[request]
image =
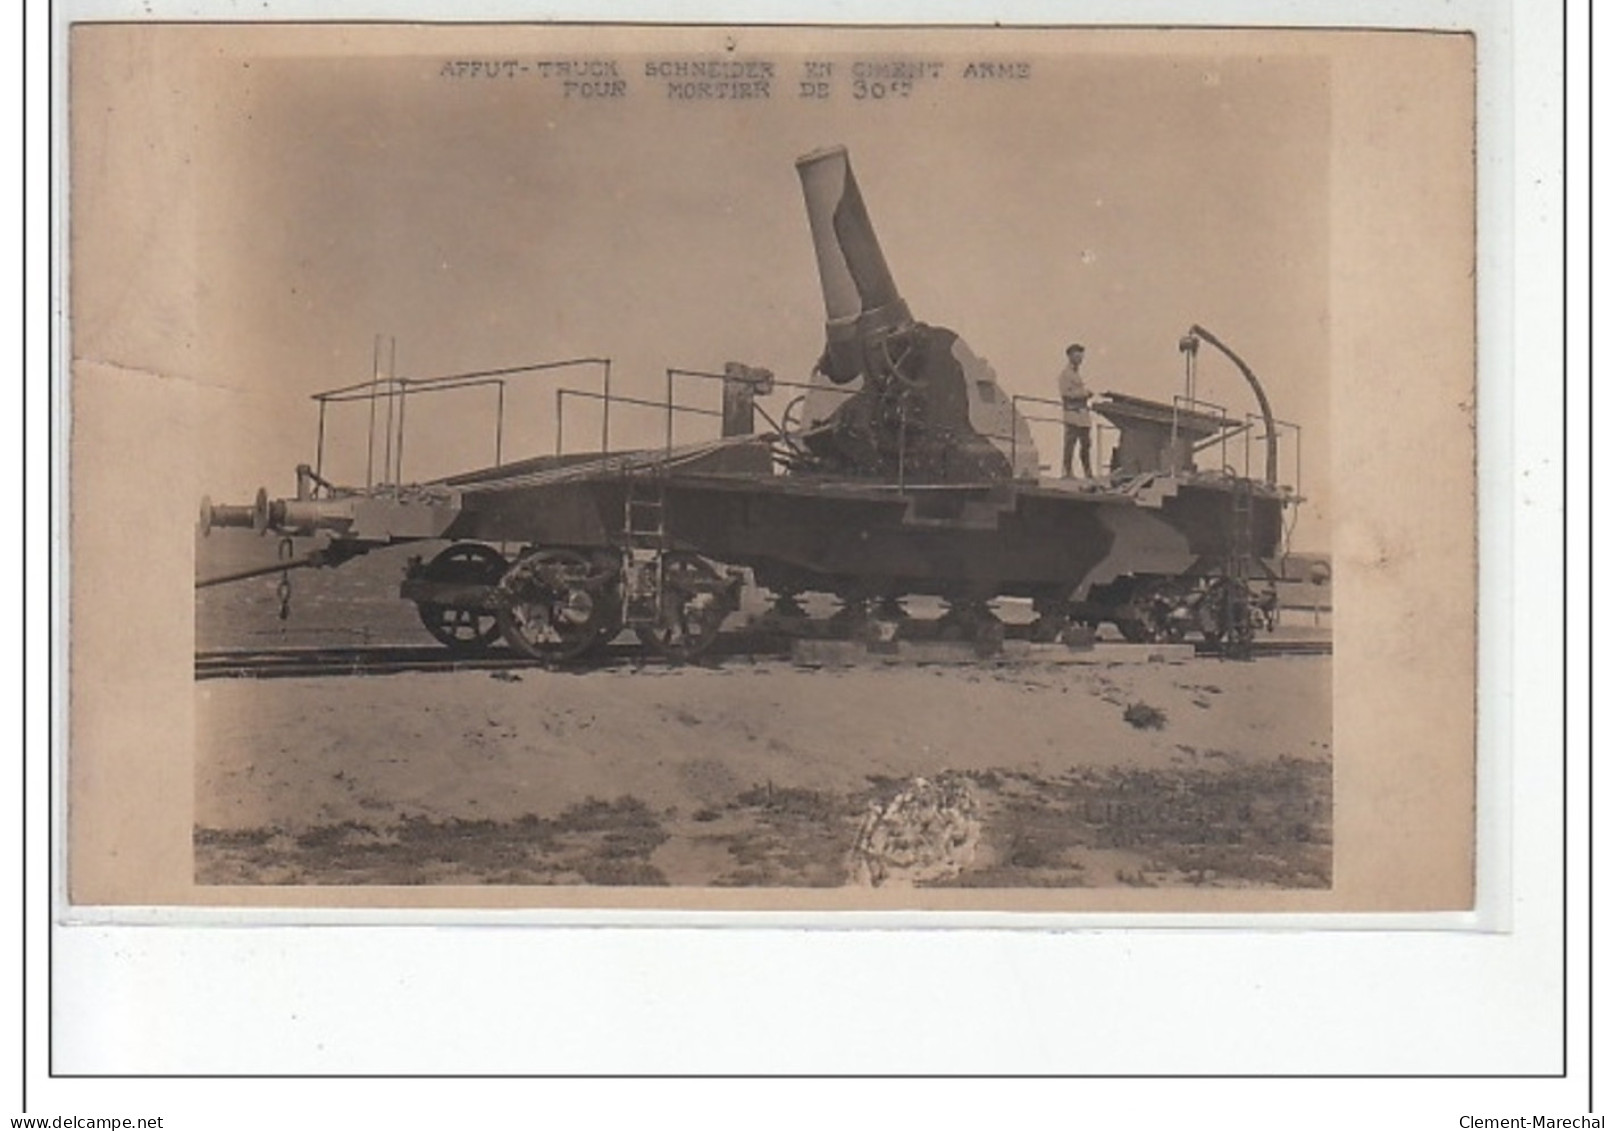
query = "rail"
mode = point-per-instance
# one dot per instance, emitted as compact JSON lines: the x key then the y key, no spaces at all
{"x":381,"y":660}
{"x":608,"y":399}
{"x":396,"y":392}
{"x":779,"y":425}
{"x":397,"y":469}
{"x":1192,"y":404}
{"x":1015,"y":401}
{"x":671,"y":408}
{"x":1280,"y":429}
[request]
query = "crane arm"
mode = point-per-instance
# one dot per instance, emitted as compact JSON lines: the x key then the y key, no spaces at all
{"x":1272,"y":440}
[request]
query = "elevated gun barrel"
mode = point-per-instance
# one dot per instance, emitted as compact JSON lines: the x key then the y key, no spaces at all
{"x":861,"y":302}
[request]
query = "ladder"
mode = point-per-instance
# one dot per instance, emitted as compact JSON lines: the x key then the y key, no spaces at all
{"x":1239,"y":530}
{"x":644,"y":536}
{"x":1237,"y":569}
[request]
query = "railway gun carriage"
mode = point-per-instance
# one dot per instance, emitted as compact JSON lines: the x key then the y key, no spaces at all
{"x":900,"y":468}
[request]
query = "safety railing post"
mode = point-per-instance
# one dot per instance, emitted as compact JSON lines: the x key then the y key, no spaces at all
{"x":499,"y":428}
{"x":1297,"y":459}
{"x":319,"y":446}
{"x":605,"y":410}
{"x":1014,"y":432}
{"x":669,"y":414}
{"x":387,"y":450}
{"x":370,"y":444}
{"x":403,"y":399}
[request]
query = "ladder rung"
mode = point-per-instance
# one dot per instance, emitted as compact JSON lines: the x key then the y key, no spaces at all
{"x":644,"y":535}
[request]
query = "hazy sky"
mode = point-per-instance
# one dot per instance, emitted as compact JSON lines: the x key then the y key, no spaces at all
{"x":1112,"y":199}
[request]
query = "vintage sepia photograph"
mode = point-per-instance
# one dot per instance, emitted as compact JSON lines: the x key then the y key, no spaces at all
{"x":772,"y":468}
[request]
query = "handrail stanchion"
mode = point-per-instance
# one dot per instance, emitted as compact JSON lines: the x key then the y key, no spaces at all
{"x":560,"y":409}
{"x":669,"y":436}
{"x":392,"y":388}
{"x":499,"y":428}
{"x":370,"y":435}
{"x":319,"y":447}
{"x":1014,"y":432}
{"x":1297,"y":459}
{"x":605,"y":410}
{"x":1174,"y":441}
{"x":1222,"y":431}
{"x":398,"y":464}
{"x":370,"y":443}
{"x":387,"y":451}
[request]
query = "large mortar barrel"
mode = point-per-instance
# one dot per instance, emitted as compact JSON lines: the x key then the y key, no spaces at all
{"x":860,"y":299}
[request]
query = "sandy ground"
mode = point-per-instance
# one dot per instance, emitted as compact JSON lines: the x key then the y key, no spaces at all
{"x":764,"y":773}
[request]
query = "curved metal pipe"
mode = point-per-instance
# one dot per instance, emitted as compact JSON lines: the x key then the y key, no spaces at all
{"x":1271,"y":432}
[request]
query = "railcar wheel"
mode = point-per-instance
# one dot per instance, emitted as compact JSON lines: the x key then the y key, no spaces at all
{"x":1152,"y":614}
{"x":1134,"y":631}
{"x":1053,"y":619}
{"x":694,"y":604}
{"x":1160,"y":603}
{"x":1227,"y":613}
{"x":460,"y":629}
{"x":972,"y":622}
{"x":555,"y":605}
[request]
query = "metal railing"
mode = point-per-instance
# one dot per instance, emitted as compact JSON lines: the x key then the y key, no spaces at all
{"x":1182,"y":404}
{"x":1280,"y":428}
{"x":396,"y":392}
{"x":776,"y":383}
{"x":607,"y":400}
{"x":1015,"y":403}
{"x":671,"y":408}
{"x":1101,"y":430}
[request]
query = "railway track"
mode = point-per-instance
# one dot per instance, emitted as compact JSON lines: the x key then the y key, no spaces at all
{"x":1274,"y":648}
{"x":285,"y":663}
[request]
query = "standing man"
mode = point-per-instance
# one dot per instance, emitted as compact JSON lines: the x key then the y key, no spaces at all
{"x":1074,"y":397}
